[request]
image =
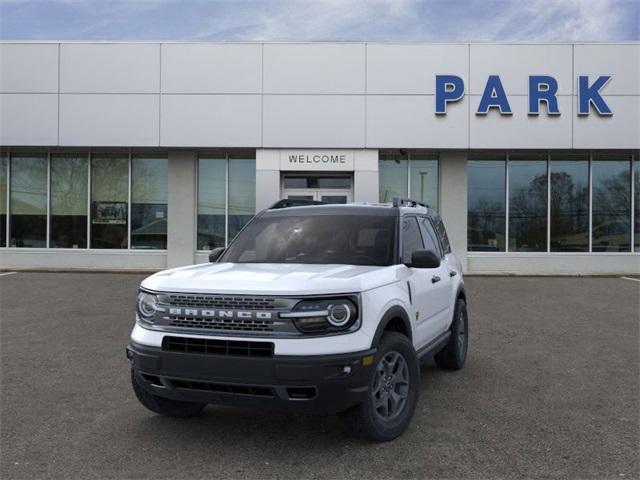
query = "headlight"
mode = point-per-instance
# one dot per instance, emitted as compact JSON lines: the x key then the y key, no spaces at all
{"x":147,"y":305}
{"x":330,"y":315}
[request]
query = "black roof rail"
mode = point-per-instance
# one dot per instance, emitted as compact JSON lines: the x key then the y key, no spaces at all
{"x":294,"y":202}
{"x":407,"y":202}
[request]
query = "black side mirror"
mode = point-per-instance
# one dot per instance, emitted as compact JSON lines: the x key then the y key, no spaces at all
{"x":215,"y":254}
{"x":424,"y":259}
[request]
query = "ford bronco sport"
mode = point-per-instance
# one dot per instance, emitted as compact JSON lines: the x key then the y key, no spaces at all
{"x":318,"y":308}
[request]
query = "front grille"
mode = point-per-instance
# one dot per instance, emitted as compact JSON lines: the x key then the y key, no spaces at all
{"x":217,"y":347}
{"x":222,"y":302}
{"x":226,"y":324}
{"x":253,"y":390}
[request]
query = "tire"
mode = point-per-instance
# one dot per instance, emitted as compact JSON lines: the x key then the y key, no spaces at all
{"x":368,"y":420}
{"x":164,"y":406}
{"x":454,"y":353}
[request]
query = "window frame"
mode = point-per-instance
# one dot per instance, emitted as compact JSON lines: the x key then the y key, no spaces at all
{"x":408,"y":155}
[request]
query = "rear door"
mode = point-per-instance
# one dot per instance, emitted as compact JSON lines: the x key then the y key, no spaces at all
{"x":425,"y":285}
{"x":444,"y":286}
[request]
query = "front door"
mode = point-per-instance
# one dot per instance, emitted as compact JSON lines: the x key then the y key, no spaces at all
{"x":327,"y":189}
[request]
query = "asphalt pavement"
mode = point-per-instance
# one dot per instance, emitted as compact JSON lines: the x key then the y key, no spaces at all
{"x":550,"y":390}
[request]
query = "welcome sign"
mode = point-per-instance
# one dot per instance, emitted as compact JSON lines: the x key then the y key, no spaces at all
{"x":317,"y":160}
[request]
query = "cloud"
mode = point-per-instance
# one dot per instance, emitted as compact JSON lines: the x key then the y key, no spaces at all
{"x":331,"y":20}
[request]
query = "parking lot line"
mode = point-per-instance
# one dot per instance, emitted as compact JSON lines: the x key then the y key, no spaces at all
{"x":7,"y":273}
{"x":632,"y":279}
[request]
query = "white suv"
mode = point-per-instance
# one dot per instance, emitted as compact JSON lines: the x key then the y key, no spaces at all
{"x":317,"y":308}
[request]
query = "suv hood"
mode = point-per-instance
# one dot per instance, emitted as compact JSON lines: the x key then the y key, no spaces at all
{"x":271,"y":278}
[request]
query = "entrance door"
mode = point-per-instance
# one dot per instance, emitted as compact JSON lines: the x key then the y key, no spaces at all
{"x":327,"y":189}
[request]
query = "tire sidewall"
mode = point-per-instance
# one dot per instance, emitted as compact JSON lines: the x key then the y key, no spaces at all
{"x":387,"y":430}
{"x":461,"y":317}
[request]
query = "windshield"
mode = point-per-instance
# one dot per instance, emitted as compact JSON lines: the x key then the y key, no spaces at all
{"x":343,"y":239}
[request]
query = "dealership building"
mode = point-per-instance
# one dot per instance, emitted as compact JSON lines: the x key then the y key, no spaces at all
{"x":142,"y":156}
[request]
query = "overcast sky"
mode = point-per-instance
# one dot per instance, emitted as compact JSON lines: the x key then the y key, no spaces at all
{"x":427,"y":20}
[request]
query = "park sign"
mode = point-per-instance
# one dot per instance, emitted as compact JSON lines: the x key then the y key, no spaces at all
{"x":542,"y":89}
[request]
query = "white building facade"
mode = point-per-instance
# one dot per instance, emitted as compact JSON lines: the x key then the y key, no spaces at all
{"x":142,"y":156}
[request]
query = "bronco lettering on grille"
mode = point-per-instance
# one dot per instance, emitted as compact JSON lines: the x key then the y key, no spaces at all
{"x":207,"y":313}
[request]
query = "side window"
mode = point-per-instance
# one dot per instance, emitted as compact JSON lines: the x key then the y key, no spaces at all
{"x":442,"y":233}
{"x":429,"y":235}
{"x":411,"y":238}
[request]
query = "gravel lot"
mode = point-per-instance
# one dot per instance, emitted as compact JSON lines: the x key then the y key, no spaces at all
{"x":550,"y":390}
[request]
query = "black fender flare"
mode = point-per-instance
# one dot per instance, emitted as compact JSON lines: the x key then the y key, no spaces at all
{"x":394,"y":312}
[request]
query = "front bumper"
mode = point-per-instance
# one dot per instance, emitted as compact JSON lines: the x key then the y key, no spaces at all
{"x":310,"y":384}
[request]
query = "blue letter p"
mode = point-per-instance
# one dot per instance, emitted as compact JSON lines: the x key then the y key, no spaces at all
{"x":449,"y":88}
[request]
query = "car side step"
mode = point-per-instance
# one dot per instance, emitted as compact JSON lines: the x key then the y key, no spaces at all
{"x":430,"y":349}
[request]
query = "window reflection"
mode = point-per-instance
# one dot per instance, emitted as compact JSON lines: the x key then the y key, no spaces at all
{"x":486,"y":204}
{"x":527,"y":203}
{"x":392,"y":175}
{"x":611,"y":230}
{"x":28,"y":201}
{"x":149,"y":195}
{"x":569,"y":203}
{"x":424,"y":179}
{"x":109,"y":197}
{"x":212,"y":173}
{"x":242,"y":193}
{"x":69,"y":201}
{"x":3,"y":199}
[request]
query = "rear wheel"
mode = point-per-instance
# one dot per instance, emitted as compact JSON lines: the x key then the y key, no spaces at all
{"x":454,"y":353}
{"x":393,"y":392}
{"x":164,"y":406}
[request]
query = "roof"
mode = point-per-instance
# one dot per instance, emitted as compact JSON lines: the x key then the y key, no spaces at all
{"x":377,"y":209}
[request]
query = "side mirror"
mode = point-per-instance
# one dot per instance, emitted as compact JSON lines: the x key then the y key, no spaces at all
{"x":215,"y":254}
{"x":424,"y":259}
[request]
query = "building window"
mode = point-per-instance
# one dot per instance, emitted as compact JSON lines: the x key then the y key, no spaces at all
{"x":28,"y":208}
{"x":569,"y":210}
{"x":611,"y":229}
{"x":549,"y":196}
{"x":149,"y":194}
{"x":226,"y":197}
{"x":412,"y":174}
{"x":109,"y":197}
{"x":68,"y":208}
{"x":242,"y":193}
{"x":486,"y":204}
{"x":4,"y":165}
{"x":528,"y":203}
{"x":636,"y":202}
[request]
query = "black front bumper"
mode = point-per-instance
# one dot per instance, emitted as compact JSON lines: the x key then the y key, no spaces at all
{"x":310,"y":384}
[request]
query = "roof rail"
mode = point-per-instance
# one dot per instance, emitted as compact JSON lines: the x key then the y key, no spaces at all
{"x":294,"y":202}
{"x":407,"y":202}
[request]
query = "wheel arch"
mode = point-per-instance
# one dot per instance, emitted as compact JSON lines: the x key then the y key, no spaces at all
{"x":396,"y":319}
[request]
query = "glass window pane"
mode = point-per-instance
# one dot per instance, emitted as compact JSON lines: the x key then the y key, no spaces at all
{"x":149,"y":195}
{"x":424,"y":179}
{"x":636,"y":188}
{"x":611,"y":230}
{"x":69,"y":201}
{"x":429,"y":236}
{"x":569,"y":203}
{"x":109,"y":196}
{"x":411,"y":238}
{"x":242,"y":194}
{"x":527,"y":204}
{"x":393,"y":176}
{"x":3,"y":199}
{"x":28,"y":201}
{"x":487,"y":205}
{"x":211,"y":202}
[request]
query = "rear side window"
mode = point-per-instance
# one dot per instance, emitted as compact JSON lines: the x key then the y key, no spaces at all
{"x":411,"y":238}
{"x":442,"y":233}
{"x":429,"y":235}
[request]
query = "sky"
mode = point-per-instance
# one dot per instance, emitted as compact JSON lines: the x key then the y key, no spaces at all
{"x":321,"y":20}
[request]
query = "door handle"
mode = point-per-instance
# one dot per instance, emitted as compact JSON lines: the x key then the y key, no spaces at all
{"x":453,"y":273}
{"x":435,"y":279}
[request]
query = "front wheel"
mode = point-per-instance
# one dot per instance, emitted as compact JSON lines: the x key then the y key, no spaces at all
{"x":454,"y":353}
{"x":392,"y":394}
{"x":164,"y":406}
